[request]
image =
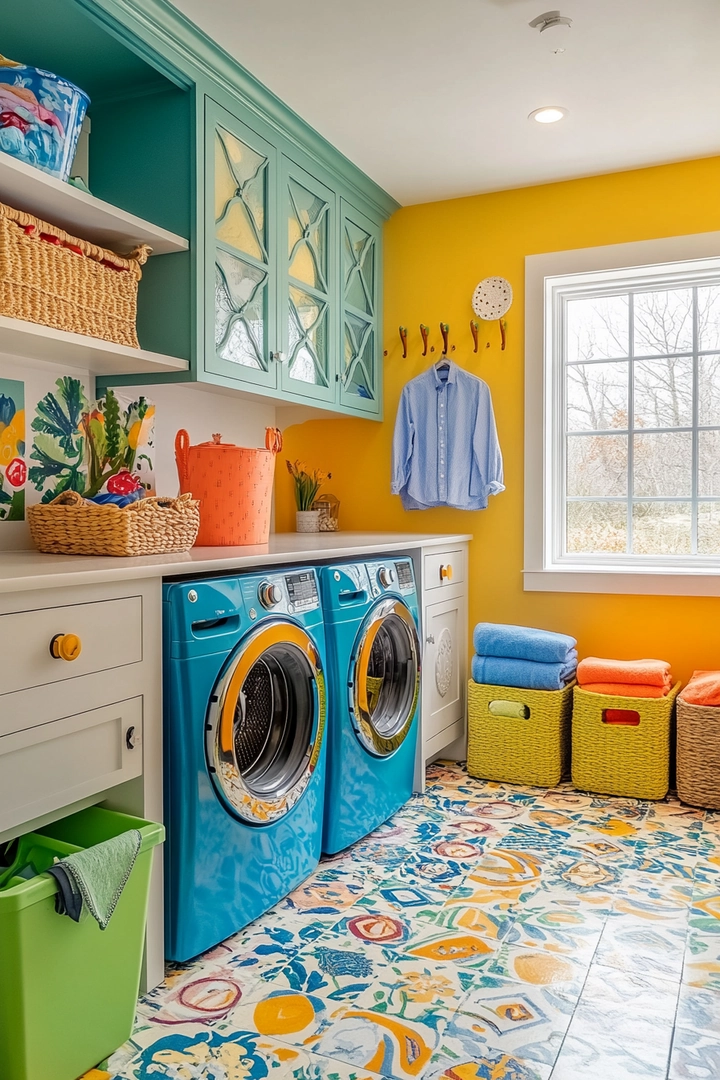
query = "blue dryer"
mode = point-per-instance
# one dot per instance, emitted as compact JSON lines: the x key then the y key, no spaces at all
{"x":245,"y":717}
{"x":371,"y":623}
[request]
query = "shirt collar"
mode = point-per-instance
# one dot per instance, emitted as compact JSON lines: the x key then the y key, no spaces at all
{"x":451,"y":376}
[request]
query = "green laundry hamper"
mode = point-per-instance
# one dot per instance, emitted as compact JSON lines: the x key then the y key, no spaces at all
{"x":68,"y":990}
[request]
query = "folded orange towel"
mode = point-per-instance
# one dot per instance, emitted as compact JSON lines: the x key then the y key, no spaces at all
{"x":627,"y":689}
{"x":703,"y":688}
{"x":593,"y":669}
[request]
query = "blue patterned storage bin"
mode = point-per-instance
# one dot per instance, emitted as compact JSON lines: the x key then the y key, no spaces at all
{"x":40,"y":117}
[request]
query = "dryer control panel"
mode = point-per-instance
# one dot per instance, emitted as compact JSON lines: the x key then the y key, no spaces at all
{"x":393,"y":575}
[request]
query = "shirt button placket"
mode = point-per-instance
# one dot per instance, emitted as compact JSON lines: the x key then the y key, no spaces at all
{"x":442,"y":485}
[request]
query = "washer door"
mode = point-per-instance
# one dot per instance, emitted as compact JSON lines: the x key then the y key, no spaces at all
{"x":385,"y":682}
{"x":266,"y":722}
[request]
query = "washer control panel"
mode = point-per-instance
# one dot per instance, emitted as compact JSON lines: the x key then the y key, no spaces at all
{"x":405,"y":577}
{"x":302,"y":590}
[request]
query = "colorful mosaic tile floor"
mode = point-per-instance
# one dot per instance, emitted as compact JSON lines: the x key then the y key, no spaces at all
{"x":486,"y":932}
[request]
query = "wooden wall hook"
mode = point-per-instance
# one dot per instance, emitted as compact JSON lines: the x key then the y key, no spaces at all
{"x":445,"y":331}
{"x":474,"y":332}
{"x":403,"y":338}
{"x":424,"y":333}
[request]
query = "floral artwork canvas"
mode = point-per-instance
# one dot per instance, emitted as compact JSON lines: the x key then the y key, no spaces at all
{"x":13,"y":470}
{"x":101,"y":449}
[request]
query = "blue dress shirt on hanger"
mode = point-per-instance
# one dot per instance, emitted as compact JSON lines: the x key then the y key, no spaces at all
{"x":445,"y":447}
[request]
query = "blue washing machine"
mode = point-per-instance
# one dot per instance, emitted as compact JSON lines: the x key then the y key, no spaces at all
{"x":371,"y":623}
{"x":245,"y":718}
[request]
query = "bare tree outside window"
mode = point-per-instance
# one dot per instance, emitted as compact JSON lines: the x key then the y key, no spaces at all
{"x":641,"y":391}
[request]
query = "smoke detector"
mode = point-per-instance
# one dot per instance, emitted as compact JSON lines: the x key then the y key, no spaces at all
{"x":549,"y":20}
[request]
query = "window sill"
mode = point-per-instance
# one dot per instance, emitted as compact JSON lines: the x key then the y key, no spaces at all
{"x":629,"y":581}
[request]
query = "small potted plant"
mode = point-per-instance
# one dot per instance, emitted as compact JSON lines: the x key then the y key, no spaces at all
{"x":307,"y":485}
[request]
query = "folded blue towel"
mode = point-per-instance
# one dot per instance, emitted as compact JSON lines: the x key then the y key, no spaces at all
{"x":525,"y":674}
{"x":522,"y":643}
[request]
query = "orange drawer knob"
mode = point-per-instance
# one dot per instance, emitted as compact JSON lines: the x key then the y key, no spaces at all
{"x":446,"y":572}
{"x":66,"y":647}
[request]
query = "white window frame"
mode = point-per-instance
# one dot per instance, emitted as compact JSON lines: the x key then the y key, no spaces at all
{"x":547,"y":279}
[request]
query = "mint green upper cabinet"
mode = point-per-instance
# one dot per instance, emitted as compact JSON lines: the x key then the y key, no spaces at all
{"x":241,"y":259}
{"x":309,"y":312}
{"x":360,"y":371}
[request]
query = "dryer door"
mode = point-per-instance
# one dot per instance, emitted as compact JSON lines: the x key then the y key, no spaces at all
{"x":385,"y":677}
{"x":266,"y":722}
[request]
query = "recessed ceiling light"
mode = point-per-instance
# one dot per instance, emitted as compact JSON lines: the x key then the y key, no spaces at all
{"x":549,"y":114}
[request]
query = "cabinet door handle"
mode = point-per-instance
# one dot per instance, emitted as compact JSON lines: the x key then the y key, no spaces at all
{"x":279,"y":356}
{"x":65,"y":647}
{"x":130,"y":739}
{"x":446,"y":572}
{"x":430,"y":639}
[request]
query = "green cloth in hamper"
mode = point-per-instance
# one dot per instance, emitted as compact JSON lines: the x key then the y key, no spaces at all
{"x":515,"y":710}
{"x":100,"y":873}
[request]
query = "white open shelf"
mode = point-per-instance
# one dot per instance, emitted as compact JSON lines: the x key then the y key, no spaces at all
{"x":26,"y":188}
{"x":34,"y":342}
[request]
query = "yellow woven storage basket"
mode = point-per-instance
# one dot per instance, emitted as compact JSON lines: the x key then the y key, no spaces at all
{"x":620,"y":759}
{"x":57,"y":280}
{"x":70,"y":526}
{"x":533,"y":751}
{"x":698,"y":754}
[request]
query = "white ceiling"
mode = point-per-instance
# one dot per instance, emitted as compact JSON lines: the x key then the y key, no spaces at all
{"x":431,"y":97}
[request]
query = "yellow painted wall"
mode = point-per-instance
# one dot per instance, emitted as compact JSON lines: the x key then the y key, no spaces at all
{"x":434,"y":256}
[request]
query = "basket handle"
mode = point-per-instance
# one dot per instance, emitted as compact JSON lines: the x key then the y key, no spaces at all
{"x":273,"y":440}
{"x":67,"y":498}
{"x":621,"y":717}
{"x":182,"y":447}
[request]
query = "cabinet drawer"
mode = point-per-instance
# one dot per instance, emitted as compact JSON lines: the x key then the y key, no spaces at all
{"x":52,"y":766}
{"x":443,"y":569}
{"x":110,"y":633}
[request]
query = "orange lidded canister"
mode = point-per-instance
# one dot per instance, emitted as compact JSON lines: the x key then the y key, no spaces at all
{"x":234,"y":486}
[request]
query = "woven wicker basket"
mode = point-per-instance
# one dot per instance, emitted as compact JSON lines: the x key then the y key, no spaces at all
{"x":62,"y":281}
{"x":698,"y":754}
{"x":534,"y":751}
{"x":70,"y":526}
{"x":617,"y":758}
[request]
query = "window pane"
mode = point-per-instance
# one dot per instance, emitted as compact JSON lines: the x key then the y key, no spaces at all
{"x":597,"y":465}
{"x":661,"y":528}
{"x":709,"y":528}
{"x":663,"y":392}
{"x":663,"y":465}
{"x":597,"y":396}
{"x":663,"y":322}
{"x":596,"y":526}
{"x":709,"y":463}
{"x":709,"y":389}
{"x":709,"y":318}
{"x":597,"y":328}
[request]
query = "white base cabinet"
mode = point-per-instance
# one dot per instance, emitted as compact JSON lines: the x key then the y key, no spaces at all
{"x":442,"y":574}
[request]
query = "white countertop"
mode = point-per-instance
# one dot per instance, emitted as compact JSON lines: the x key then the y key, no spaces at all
{"x":23,"y":570}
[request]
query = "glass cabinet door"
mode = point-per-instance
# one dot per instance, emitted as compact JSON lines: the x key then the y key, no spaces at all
{"x":360,"y":382}
{"x":241,"y":262}
{"x":309,"y":313}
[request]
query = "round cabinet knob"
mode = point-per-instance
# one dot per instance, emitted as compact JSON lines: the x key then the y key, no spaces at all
{"x":385,"y":577}
{"x":269,"y":594}
{"x":446,"y":572}
{"x":65,"y":647}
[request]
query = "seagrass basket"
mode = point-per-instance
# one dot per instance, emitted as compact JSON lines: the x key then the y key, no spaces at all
{"x":57,"y":280}
{"x":71,"y":526}
{"x":621,"y":745}
{"x":698,"y":754}
{"x":534,"y":750}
